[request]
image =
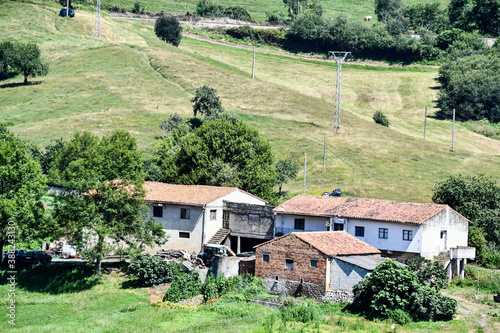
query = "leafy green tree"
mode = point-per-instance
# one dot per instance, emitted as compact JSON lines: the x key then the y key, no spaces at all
{"x":103,"y":195}
{"x":471,"y":86}
{"x":459,"y":14}
{"x":475,"y":197}
{"x":22,"y":186}
{"x":299,"y":7}
{"x":430,"y":273}
{"x":486,"y":16}
{"x":168,"y":29}
{"x":385,"y":9}
{"x":27,"y":61}
{"x":427,"y":15}
{"x":51,"y":150}
{"x":219,"y":152}
{"x":206,"y":101}
{"x":7,"y":60}
{"x":287,"y":170}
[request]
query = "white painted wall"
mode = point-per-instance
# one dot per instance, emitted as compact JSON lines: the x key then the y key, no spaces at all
{"x":286,"y":222}
{"x":457,"y":229}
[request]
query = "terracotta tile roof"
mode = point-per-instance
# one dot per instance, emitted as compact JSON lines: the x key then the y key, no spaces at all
{"x":197,"y":195}
{"x":369,"y":209}
{"x":332,"y":243}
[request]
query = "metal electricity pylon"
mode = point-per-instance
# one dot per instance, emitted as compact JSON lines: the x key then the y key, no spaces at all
{"x":98,"y":20}
{"x":340,"y":59}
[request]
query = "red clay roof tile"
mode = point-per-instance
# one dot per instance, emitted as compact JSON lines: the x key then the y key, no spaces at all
{"x":371,"y":209}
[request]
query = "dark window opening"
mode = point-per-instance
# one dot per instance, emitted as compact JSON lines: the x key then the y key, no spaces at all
{"x":184,"y":234}
{"x":265,"y":257}
{"x":289,"y":263}
{"x":407,"y":235}
{"x":314,"y":262}
{"x":299,"y":224}
{"x":338,"y":226}
{"x":383,"y":233}
{"x":253,"y":217}
{"x":185,"y":214}
{"x":359,"y":231}
{"x":157,"y":211}
{"x":213,"y":215}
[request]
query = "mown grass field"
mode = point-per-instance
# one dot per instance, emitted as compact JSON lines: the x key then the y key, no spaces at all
{"x":67,"y":298}
{"x":258,"y":9}
{"x":131,"y":80}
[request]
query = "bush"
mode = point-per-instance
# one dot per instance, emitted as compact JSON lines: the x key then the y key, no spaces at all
{"x":380,"y":118}
{"x":150,"y":271}
{"x":392,"y":290}
{"x":431,"y":273}
{"x":183,"y":287}
{"x":214,"y":287}
{"x":293,"y":312}
{"x":168,"y":29}
{"x":206,"y":101}
{"x":207,"y":8}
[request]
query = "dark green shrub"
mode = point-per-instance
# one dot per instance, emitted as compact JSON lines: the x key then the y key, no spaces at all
{"x":400,"y":317}
{"x":208,"y":8}
{"x":214,"y":287}
{"x":184,"y":286}
{"x":427,"y":304}
{"x":150,"y":271}
{"x":275,"y":18}
{"x":206,"y":101}
{"x":431,"y":273}
{"x":168,"y":29}
{"x":380,"y":118}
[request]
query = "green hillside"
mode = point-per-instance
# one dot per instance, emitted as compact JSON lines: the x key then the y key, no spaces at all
{"x":131,"y":80}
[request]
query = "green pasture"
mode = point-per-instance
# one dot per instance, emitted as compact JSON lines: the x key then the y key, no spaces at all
{"x":131,"y":80}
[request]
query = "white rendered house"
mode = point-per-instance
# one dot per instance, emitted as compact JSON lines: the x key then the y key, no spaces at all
{"x":192,"y":214}
{"x":396,"y":228}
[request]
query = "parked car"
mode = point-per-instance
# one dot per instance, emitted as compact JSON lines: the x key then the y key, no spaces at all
{"x":18,"y":255}
{"x":36,"y":256}
{"x":63,"y":12}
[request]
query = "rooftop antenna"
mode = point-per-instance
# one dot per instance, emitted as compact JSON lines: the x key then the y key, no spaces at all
{"x":98,"y":20}
{"x":339,"y":57}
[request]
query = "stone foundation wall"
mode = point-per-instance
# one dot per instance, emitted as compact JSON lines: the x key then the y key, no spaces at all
{"x":338,"y":296}
{"x":294,"y":288}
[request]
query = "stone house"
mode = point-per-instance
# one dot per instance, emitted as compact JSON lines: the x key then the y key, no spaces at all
{"x":397,"y":229}
{"x":312,"y":263}
{"x":193,"y":215}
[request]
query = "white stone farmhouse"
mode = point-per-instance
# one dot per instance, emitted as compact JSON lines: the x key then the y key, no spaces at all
{"x":397,"y":229}
{"x":192,"y":214}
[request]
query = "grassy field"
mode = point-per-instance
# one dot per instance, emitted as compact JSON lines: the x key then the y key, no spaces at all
{"x":67,"y":298}
{"x":130,"y":80}
{"x":258,"y":9}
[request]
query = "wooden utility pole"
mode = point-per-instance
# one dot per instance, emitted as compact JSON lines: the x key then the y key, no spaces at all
{"x":453,"y":132}
{"x":304,"y":185}
{"x":324,"y":152}
{"x":425,"y":121}
{"x":67,"y":8}
{"x":253,"y":64}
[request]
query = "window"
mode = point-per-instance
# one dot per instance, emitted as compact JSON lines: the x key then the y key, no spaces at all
{"x":338,"y":226}
{"x":289,"y":263}
{"x":359,"y":231}
{"x":407,"y":235}
{"x":314,"y":262}
{"x":265,"y":257}
{"x":253,"y":217}
{"x":184,"y":214}
{"x":383,"y":233}
{"x":184,"y":234}
{"x":443,"y":234}
{"x":299,"y":224}
{"x":157,"y":211}
{"x":213,"y":215}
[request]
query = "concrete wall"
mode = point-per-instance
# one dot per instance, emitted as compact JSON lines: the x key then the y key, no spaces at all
{"x":285,"y":223}
{"x":226,"y":266}
{"x":240,"y":224}
{"x":456,"y":227}
{"x":343,"y":275}
{"x":173,"y":224}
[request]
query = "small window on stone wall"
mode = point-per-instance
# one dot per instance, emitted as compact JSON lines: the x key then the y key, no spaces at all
{"x":289,"y":263}
{"x":265,"y":257}
{"x":314,"y":262}
{"x":253,"y":217}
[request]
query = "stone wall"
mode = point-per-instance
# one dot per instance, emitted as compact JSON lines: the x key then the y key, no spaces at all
{"x":338,"y":296}
{"x":294,"y":288}
{"x":240,"y":224}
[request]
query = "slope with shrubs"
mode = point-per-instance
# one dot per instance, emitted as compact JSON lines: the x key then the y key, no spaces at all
{"x":131,"y":80}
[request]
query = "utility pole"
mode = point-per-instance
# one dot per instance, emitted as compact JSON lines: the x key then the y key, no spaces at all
{"x":67,"y":8}
{"x":425,"y":121}
{"x":253,"y":64}
{"x":98,"y":20}
{"x":340,"y":59}
{"x":453,"y":132}
{"x":304,"y":185}
{"x":324,"y":152}
{"x":298,"y":7}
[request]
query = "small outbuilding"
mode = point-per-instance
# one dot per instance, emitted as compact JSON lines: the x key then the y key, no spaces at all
{"x":313,"y":263}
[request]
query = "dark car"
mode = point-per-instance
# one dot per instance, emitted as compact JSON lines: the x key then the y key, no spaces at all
{"x":18,"y":255}
{"x":36,"y":256}
{"x":63,"y":12}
